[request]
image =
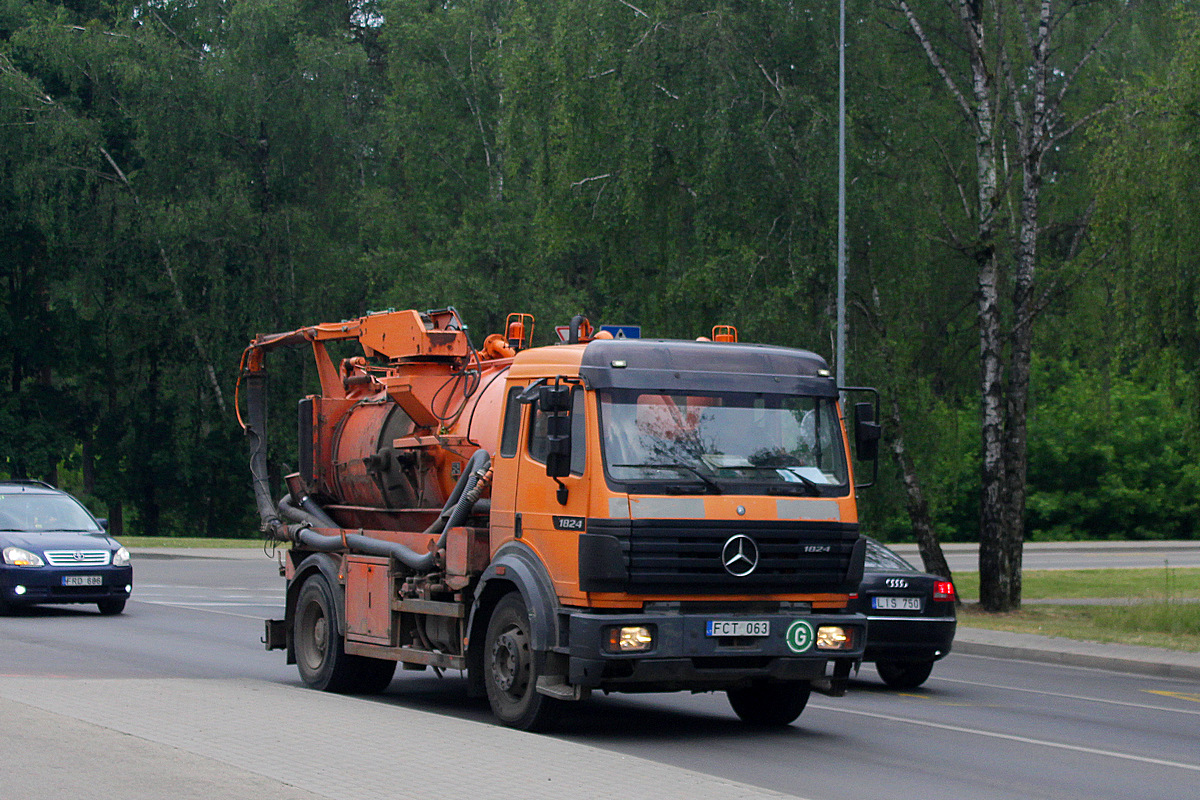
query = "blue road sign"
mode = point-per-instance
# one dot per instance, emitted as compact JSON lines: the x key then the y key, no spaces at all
{"x":623,"y":331}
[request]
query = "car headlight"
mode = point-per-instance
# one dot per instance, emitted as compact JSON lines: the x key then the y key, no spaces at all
{"x":121,"y":558}
{"x":17,"y":557}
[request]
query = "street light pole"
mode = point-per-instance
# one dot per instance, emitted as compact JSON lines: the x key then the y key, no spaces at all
{"x":841,"y":253}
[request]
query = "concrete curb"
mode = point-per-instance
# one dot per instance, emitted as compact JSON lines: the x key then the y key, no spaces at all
{"x":1133,"y":659}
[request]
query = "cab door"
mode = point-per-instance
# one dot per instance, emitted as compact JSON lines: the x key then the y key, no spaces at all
{"x":552,"y":510}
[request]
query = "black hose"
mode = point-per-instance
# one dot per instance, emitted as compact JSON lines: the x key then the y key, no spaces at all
{"x":458,"y":507}
{"x":369,"y":546}
{"x":256,"y":426}
{"x":475,"y":469}
{"x":292,"y":513}
{"x":310,"y":505}
{"x":478,"y":463}
{"x":573,"y":331}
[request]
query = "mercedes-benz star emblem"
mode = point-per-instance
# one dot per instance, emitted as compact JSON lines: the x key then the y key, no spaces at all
{"x":739,"y":555}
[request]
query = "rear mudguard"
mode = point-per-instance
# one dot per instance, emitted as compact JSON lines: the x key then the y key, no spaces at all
{"x":327,"y":565}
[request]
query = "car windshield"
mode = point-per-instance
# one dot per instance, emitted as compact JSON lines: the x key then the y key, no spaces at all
{"x":745,"y":442}
{"x":28,"y":512}
{"x":881,"y":558}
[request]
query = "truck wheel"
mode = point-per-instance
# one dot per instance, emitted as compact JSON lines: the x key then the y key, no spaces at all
{"x":110,"y":607}
{"x":770,"y":705}
{"x":374,"y":674}
{"x":904,"y":675}
{"x":320,"y":654}
{"x":322,"y":662}
{"x":510,"y":673}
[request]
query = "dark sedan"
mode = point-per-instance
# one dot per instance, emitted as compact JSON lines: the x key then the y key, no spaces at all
{"x":910,"y":617}
{"x":52,"y":550}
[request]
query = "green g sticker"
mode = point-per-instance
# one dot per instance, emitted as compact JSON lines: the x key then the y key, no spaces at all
{"x":799,"y":636}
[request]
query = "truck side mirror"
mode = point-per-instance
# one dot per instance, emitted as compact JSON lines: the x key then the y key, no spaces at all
{"x":558,"y":445}
{"x":867,"y":432}
{"x":555,"y":401}
{"x":555,"y":398}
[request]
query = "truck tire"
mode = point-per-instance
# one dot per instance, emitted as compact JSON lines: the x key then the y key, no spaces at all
{"x":320,"y":655}
{"x":770,"y":705}
{"x":510,"y":670}
{"x":904,"y":675}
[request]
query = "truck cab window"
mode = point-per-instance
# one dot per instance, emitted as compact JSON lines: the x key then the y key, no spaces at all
{"x":537,"y":434}
{"x":754,"y":443}
{"x":512,"y":423}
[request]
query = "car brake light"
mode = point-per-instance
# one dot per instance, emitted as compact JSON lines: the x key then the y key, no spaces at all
{"x":943,"y":590}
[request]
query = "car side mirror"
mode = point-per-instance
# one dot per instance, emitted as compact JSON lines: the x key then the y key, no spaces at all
{"x":103,"y":522}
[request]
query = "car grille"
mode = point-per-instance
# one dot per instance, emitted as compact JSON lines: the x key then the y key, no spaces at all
{"x":77,"y":558}
{"x":671,"y":555}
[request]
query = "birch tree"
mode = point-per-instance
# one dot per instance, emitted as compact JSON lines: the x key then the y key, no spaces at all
{"x":1012,"y":91}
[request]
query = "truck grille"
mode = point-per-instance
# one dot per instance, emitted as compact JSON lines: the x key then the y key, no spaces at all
{"x":77,"y":558}
{"x":664,"y":556}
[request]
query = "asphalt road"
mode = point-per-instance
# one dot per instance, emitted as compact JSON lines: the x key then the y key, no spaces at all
{"x":1075,"y":555}
{"x":981,"y":728}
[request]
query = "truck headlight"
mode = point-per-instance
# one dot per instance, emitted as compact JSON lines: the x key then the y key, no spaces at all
{"x":834,"y":637}
{"x":17,"y":557}
{"x":630,"y":639}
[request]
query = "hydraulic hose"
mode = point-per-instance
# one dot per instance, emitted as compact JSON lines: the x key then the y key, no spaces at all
{"x":256,"y":426}
{"x":474,"y":479}
{"x":368,"y":545}
{"x":479,"y":463}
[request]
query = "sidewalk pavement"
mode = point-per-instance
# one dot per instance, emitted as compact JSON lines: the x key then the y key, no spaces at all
{"x":240,"y":739}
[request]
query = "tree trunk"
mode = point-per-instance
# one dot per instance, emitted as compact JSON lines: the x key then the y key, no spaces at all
{"x":914,"y":501}
{"x":914,"y":496}
{"x":994,"y":557}
{"x":1033,"y":138}
{"x":116,"y":518}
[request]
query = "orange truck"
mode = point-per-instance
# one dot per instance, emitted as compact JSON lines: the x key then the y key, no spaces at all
{"x":620,"y":515}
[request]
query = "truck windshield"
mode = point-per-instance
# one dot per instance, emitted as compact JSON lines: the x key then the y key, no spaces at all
{"x":743,"y":442}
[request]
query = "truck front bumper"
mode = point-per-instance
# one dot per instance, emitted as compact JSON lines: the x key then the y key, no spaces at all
{"x":684,"y":655}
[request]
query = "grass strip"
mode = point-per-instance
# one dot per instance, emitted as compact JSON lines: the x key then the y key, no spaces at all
{"x":1163,"y":583}
{"x":1173,"y":625}
{"x":186,"y":542}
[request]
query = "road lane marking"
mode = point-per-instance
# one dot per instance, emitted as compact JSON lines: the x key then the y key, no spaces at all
{"x":1126,"y":703}
{"x":195,"y":607}
{"x":1195,"y":698}
{"x":1095,"y":751}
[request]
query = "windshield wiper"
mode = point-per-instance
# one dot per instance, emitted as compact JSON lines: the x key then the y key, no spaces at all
{"x":807,"y":488}
{"x":712,"y":486}
{"x":788,"y":487}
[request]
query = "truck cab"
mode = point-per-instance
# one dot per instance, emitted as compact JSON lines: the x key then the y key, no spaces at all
{"x":688,"y":511}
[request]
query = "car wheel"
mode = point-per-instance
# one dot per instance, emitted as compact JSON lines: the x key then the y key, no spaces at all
{"x":110,"y":607}
{"x":904,"y":674}
{"x":510,"y":669}
{"x":320,"y":655}
{"x":770,"y":705}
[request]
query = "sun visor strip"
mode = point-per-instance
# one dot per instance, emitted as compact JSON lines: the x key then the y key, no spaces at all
{"x":704,"y":366}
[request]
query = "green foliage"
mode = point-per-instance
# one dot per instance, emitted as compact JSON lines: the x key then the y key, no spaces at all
{"x":175,"y":177}
{"x":1112,"y":457}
